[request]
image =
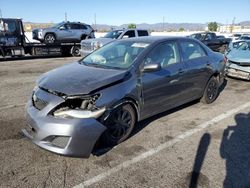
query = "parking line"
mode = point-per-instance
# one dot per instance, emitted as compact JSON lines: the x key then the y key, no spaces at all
{"x":159,"y":148}
{"x":11,"y":106}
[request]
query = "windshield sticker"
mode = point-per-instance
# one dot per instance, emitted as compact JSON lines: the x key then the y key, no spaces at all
{"x":140,"y":45}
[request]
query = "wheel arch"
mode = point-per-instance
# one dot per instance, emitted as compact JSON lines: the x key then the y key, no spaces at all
{"x":50,"y":32}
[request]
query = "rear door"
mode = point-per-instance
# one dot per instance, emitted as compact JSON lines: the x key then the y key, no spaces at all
{"x":164,"y":88}
{"x":198,"y":66}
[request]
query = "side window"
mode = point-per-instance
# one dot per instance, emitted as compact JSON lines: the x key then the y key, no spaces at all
{"x":142,"y":33}
{"x":129,"y":34}
{"x":82,"y":26}
{"x":9,"y":26}
{"x":67,"y":26}
{"x":75,"y":26}
{"x":208,"y":37}
{"x":191,"y":50}
{"x":164,"y":54}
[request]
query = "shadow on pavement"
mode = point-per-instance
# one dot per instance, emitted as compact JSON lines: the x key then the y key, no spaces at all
{"x":33,"y":57}
{"x":235,"y":149}
{"x":102,"y":149}
{"x":199,"y":158}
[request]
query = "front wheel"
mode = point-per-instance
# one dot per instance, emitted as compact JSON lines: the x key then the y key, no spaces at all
{"x":211,"y":91}
{"x":119,"y":125}
{"x":49,"y":38}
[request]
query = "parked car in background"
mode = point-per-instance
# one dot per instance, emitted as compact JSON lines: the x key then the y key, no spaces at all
{"x":102,"y":96}
{"x":238,"y":61}
{"x":221,"y":37}
{"x":235,"y":36}
{"x":88,"y":46}
{"x":64,"y":32}
{"x":233,"y":45}
{"x":245,"y":37}
{"x":210,"y":39}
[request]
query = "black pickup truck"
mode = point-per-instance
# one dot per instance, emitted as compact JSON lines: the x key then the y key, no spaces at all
{"x":212,"y":41}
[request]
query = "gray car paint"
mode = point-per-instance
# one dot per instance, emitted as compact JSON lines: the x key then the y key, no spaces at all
{"x":145,"y":90}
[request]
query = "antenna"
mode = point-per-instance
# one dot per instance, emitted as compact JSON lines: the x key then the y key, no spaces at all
{"x":66,"y":19}
{"x":163,"y":20}
{"x":232,"y":26}
{"x":95,"y":20}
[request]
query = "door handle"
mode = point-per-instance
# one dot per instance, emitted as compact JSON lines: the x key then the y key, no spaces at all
{"x":181,"y":71}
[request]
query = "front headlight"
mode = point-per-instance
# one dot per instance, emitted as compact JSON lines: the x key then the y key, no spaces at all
{"x":77,"y":113}
{"x":97,"y":45}
{"x":79,"y":107}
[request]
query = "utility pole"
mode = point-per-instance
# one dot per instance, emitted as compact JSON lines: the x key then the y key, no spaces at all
{"x":163,"y":20}
{"x":65,"y":15}
{"x":232,"y":27}
{"x":95,"y":20}
{"x":1,"y":13}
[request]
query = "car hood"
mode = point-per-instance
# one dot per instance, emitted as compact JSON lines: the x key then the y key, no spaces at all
{"x":103,"y":41}
{"x":78,"y":79}
{"x":239,"y":56}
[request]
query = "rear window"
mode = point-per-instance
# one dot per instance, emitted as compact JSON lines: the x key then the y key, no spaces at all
{"x":142,"y":33}
{"x":191,"y":50}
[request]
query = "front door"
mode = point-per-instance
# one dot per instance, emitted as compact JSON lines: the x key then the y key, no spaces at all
{"x":162,"y":89}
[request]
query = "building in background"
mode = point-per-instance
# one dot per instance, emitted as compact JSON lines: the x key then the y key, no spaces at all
{"x":234,"y":29}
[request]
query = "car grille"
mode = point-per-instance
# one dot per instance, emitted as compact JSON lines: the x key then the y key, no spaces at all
{"x":86,"y":46}
{"x":38,"y":103}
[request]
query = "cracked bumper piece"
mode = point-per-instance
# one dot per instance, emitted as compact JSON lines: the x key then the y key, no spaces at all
{"x":238,"y":72}
{"x":71,"y":137}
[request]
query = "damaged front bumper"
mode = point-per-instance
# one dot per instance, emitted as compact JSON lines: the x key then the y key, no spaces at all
{"x":66,"y":136}
{"x":237,"y":71}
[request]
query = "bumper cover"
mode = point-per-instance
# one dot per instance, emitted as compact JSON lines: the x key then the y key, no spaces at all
{"x":79,"y":135}
{"x":238,"y":71}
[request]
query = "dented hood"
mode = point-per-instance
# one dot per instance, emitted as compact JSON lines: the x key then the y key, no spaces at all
{"x":75,"y":78}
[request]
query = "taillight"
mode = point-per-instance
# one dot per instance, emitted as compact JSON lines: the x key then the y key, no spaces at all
{"x":225,"y":59}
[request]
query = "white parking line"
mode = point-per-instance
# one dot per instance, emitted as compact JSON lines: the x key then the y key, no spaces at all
{"x":11,"y":106}
{"x":165,"y":145}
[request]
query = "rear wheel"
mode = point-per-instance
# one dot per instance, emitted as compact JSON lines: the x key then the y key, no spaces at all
{"x":75,"y":51}
{"x":49,"y":38}
{"x":211,"y":91}
{"x":119,"y":125}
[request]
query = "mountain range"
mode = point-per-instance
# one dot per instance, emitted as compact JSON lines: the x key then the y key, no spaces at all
{"x":152,"y":27}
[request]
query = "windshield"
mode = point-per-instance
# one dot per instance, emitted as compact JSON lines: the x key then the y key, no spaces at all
{"x":113,"y":34}
{"x":57,"y":25}
{"x":116,"y":55}
{"x":244,"y":46}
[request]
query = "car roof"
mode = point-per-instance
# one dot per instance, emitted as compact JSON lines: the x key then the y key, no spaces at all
{"x":151,"y":39}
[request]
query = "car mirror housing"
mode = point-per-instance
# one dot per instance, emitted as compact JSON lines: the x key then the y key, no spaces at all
{"x":62,"y":28}
{"x":151,"y":67}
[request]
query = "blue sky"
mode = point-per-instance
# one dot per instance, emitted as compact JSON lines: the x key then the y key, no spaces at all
{"x":117,"y":12}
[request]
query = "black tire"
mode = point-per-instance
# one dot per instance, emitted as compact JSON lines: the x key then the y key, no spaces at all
{"x":211,"y":91}
{"x":49,"y":38}
{"x":120,"y":124}
{"x":75,"y":51}
{"x":84,"y":37}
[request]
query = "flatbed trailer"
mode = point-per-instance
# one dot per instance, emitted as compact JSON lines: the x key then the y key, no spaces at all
{"x":13,"y":42}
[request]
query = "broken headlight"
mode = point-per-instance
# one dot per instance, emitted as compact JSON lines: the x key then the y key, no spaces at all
{"x":79,"y":107}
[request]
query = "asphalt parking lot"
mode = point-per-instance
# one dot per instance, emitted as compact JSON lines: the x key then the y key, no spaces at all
{"x":195,"y":145}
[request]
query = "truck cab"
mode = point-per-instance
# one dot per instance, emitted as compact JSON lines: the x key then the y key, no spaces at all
{"x":12,"y":36}
{"x":212,"y":41}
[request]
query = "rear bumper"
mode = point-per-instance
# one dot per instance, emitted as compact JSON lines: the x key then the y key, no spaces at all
{"x":237,"y":71}
{"x":71,"y":137}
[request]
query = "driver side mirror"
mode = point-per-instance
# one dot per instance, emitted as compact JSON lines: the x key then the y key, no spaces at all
{"x":151,"y":67}
{"x":62,"y":28}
